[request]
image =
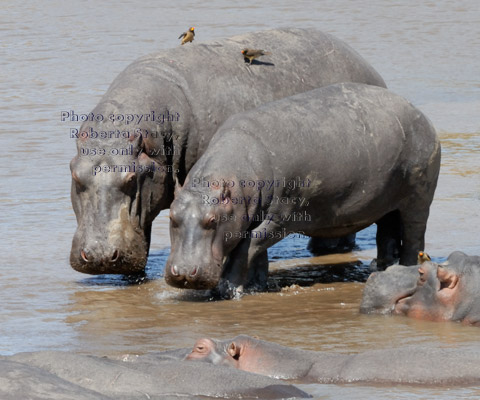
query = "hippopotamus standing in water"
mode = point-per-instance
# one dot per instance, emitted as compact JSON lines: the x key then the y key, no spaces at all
{"x":411,"y":364}
{"x":325,"y":163}
{"x":157,"y":119}
{"x":435,"y":292}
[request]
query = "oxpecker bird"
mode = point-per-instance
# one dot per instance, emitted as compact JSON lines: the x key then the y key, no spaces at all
{"x":188,"y":35}
{"x":252,"y":54}
{"x":422,"y":257}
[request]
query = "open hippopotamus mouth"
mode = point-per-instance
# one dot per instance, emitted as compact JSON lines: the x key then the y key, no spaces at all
{"x":400,"y":303}
{"x":387,"y":291}
{"x":397,"y":307}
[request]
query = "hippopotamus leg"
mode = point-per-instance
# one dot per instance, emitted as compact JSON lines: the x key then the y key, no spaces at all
{"x":247,"y":266}
{"x":258,"y":273}
{"x":414,"y":224}
{"x":320,"y":246}
{"x":414,"y":210}
{"x":389,"y":229}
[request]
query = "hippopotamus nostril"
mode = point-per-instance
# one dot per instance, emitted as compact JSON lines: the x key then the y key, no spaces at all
{"x":174,"y":270}
{"x":84,"y":256}
{"x":115,"y":256}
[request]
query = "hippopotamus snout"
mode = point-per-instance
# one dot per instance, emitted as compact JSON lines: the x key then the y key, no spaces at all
{"x":192,"y":276}
{"x":100,"y":260}
{"x":108,"y":257}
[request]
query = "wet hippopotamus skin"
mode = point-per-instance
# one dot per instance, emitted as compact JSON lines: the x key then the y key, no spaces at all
{"x":403,"y":365}
{"x":170,"y":104}
{"x":325,"y":163}
{"x":63,"y":376}
{"x":436,"y":292}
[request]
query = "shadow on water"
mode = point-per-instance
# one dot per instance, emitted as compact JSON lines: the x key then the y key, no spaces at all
{"x":309,"y":275}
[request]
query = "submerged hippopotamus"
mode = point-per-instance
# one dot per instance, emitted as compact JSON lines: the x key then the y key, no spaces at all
{"x":434,"y":292}
{"x":324,"y":163}
{"x":66,"y":376}
{"x":157,"y":119}
{"x":406,"y":365}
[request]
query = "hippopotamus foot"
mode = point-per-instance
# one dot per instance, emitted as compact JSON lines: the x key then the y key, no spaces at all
{"x":382,"y":264}
{"x":234,"y":285}
{"x":321,"y":246}
{"x":226,"y":290}
{"x":258,"y":273}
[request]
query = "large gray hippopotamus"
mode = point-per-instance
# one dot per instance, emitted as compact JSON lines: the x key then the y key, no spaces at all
{"x":405,"y":365}
{"x":435,"y":292}
{"x":157,"y":119}
{"x":324,"y":163}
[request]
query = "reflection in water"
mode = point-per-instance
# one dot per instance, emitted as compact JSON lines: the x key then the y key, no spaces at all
{"x":55,"y":57}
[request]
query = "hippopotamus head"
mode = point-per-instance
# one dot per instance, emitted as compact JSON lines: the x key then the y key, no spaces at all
{"x":443,"y":292}
{"x":117,"y":190}
{"x":215,"y":352}
{"x":253,"y":355}
{"x":198,"y":229}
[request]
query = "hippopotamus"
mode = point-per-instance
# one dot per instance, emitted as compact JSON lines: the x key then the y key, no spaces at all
{"x":324,"y":163}
{"x":436,"y":292}
{"x":57,"y":375}
{"x":157,"y":119}
{"x":404,"y":365}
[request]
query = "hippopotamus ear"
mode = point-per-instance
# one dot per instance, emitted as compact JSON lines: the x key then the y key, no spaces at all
{"x":234,"y":350}
{"x":448,"y":279}
{"x":178,"y":186}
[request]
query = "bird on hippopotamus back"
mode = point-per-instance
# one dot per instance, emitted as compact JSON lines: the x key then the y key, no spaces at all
{"x":188,"y":35}
{"x":252,"y":54}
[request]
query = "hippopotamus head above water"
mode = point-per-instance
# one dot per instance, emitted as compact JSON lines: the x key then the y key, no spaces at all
{"x":435,"y":292}
{"x":120,"y":182}
{"x":197,"y":237}
{"x":421,"y":364}
{"x":253,"y":355}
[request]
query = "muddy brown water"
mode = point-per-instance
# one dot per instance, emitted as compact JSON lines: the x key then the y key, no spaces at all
{"x":62,"y":55}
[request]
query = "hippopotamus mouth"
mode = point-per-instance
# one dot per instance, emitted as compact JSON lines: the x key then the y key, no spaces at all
{"x":386,"y":292}
{"x":400,"y":303}
{"x":199,"y":277}
{"x":397,"y":308}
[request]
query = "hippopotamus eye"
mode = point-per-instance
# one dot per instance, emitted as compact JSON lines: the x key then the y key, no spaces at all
{"x":130,"y":177}
{"x":173,"y":221}
{"x":200,"y":349}
{"x":210,"y":222}
{"x":422,"y":278}
{"x":128,"y":185}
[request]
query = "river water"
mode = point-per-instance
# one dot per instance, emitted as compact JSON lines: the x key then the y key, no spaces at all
{"x":62,"y":55}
